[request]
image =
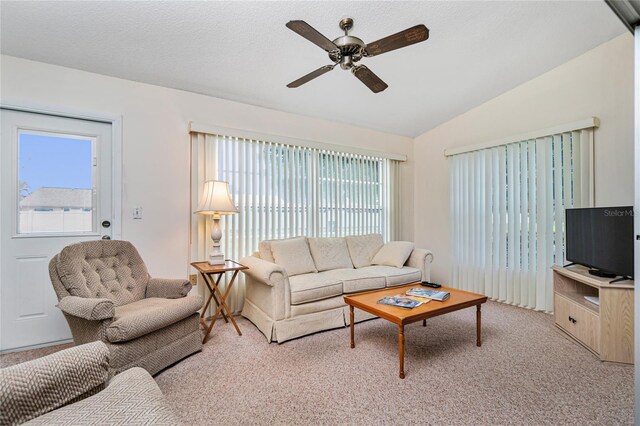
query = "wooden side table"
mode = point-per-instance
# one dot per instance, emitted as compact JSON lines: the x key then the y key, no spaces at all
{"x":208,"y":272}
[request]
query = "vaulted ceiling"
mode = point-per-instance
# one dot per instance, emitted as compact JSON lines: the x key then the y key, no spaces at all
{"x":242,"y":51}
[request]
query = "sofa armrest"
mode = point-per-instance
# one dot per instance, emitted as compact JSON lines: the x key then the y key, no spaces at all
{"x":86,"y":308}
{"x":267,"y":288}
{"x":168,"y":288}
{"x":421,"y":259}
{"x":33,"y":388}
{"x":266,"y":272}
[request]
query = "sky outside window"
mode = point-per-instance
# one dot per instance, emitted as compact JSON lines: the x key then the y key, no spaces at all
{"x":53,"y":161}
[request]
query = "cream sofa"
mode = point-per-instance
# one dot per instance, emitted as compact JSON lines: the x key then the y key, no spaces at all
{"x":295,"y":287}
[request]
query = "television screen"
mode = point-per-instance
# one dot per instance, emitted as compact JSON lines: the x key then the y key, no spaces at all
{"x":601,"y":238}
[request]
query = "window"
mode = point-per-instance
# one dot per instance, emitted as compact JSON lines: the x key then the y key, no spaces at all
{"x":507,"y":214}
{"x":284,"y":191}
{"x":55,"y":183}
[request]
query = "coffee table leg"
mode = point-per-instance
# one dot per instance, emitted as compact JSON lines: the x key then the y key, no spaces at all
{"x":478,"y":323}
{"x":401,"y":349}
{"x":424,"y":323}
{"x":353,"y":343}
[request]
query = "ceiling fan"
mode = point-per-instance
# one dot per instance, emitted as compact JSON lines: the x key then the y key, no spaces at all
{"x":346,"y":50}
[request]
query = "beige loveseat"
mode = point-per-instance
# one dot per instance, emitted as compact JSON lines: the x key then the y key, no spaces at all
{"x":295,"y":287}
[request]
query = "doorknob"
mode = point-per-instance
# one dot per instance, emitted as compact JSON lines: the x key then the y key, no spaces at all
{"x":106,"y":237}
{"x":106,"y":224}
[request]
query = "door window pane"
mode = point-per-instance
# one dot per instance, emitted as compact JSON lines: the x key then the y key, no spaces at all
{"x":55,"y":183}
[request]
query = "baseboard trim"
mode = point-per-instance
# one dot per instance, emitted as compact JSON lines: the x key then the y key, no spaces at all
{"x":38,"y":346}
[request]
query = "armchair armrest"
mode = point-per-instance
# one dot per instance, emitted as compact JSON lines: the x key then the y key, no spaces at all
{"x":168,"y":288}
{"x":265,"y":272}
{"x":89,"y":309}
{"x":421,"y":259}
{"x":33,"y":388}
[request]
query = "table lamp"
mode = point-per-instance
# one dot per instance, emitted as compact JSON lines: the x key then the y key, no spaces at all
{"x":215,"y":202}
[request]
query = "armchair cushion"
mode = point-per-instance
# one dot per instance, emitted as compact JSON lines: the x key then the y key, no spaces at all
{"x":103,"y":269}
{"x":89,"y":309}
{"x":36,"y":387}
{"x":362,"y":248}
{"x":168,"y":288}
{"x":144,"y":316}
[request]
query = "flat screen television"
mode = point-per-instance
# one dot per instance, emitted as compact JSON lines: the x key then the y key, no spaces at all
{"x":601,"y":238}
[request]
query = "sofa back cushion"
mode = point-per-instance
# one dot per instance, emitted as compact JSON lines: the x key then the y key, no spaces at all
{"x":264,"y":249}
{"x":330,"y":253}
{"x":394,"y":253}
{"x":108,"y":269}
{"x":362,"y":248}
{"x":293,"y":255}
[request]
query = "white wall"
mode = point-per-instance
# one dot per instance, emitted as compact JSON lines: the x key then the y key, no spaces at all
{"x":156,"y":145}
{"x":598,"y":83}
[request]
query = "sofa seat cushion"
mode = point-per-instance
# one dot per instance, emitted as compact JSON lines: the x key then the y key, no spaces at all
{"x":311,"y":287}
{"x":356,"y":280}
{"x":144,"y":316}
{"x":395,"y":276}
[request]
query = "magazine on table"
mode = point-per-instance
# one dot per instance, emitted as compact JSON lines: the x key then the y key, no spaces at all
{"x":399,"y":301}
{"x":422,"y":300}
{"x":429,"y":294}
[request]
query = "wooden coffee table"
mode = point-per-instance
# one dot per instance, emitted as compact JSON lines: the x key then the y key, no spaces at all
{"x":368,"y":302}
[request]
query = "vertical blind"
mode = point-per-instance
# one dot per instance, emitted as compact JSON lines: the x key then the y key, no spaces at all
{"x":283,"y":191}
{"x":507,"y":214}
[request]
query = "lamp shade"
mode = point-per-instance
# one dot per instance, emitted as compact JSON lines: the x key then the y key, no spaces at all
{"x":216,"y":199}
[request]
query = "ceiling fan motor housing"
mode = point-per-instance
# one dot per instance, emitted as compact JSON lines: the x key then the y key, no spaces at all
{"x":350,"y":50}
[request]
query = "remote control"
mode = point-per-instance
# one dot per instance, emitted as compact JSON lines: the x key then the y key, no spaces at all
{"x":432,"y":285}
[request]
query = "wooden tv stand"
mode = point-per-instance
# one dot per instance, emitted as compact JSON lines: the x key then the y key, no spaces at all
{"x":605,"y":329}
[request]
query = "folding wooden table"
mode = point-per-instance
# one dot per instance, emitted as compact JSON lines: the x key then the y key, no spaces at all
{"x":208,"y":272}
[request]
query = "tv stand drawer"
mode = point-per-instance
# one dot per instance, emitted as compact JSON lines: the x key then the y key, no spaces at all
{"x":578,"y":321}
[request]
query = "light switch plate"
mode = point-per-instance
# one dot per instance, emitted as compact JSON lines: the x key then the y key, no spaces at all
{"x":137,"y":212}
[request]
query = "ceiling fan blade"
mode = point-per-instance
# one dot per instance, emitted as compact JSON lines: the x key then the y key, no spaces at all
{"x":371,"y":80}
{"x":311,"y":34}
{"x":313,"y":74}
{"x":404,"y":38}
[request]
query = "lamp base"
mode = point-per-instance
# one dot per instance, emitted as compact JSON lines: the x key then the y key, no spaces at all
{"x":216,"y":259}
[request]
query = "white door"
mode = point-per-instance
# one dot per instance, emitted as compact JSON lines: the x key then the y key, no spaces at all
{"x":56,"y":189}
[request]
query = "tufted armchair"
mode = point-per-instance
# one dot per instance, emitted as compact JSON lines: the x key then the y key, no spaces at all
{"x":106,"y":293}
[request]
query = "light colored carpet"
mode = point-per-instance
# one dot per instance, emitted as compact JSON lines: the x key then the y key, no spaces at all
{"x":526,"y":372}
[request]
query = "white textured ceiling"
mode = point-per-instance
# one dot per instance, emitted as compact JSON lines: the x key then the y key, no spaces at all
{"x":242,"y":50}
